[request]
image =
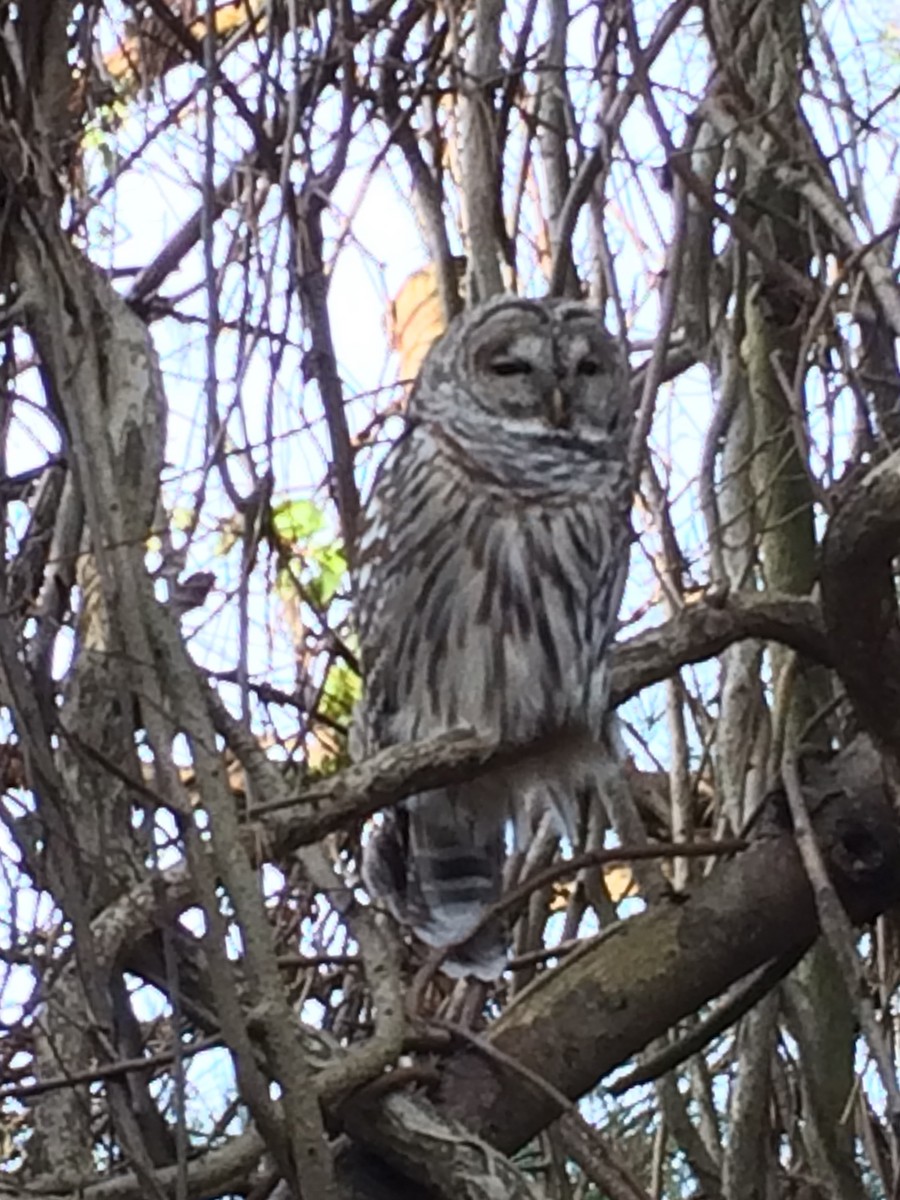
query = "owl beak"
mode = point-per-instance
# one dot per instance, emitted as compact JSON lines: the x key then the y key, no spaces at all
{"x":559,"y":409}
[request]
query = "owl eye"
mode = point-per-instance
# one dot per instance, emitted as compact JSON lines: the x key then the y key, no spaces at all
{"x":510,"y":366}
{"x":588,"y":366}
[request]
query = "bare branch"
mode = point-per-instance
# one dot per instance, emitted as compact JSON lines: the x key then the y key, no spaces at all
{"x":859,"y":599}
{"x":688,"y":953}
{"x":699,"y":631}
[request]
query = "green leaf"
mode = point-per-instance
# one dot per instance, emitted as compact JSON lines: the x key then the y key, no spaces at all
{"x":297,"y":520}
{"x":341,"y":691}
{"x":332,"y":567}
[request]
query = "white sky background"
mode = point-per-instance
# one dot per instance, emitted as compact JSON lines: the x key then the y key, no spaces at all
{"x":151,"y":202}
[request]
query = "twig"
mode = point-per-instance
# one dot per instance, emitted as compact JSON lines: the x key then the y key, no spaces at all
{"x":112,"y":1070}
{"x":581,"y":1140}
{"x":637,"y":450}
{"x":598,"y":159}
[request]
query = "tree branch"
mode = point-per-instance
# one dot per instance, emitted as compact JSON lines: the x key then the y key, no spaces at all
{"x":698,"y":632}
{"x":575,"y":1024}
{"x":859,"y":600}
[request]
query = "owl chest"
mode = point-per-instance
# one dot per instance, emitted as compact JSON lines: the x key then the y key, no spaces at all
{"x":515,"y":615}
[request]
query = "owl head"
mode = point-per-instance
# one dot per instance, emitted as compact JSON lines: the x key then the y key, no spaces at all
{"x":549,"y":364}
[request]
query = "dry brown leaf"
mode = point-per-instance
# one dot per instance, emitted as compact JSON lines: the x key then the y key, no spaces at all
{"x":415,"y":319}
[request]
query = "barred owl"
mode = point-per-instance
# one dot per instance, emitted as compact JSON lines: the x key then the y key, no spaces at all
{"x":490,"y":570}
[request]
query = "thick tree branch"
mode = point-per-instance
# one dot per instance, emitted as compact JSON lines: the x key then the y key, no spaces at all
{"x":482,"y":158}
{"x":703,"y":630}
{"x":859,"y":600}
{"x":436,"y":1152}
{"x":699,"y":632}
{"x":574,"y":1025}
{"x":218,"y":1172}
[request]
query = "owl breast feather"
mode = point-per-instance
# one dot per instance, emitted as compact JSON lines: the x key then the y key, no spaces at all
{"x":484,"y":604}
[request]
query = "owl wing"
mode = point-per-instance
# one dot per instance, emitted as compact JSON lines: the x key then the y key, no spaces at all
{"x":437,"y":858}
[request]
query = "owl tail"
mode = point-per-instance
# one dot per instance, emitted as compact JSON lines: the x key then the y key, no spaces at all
{"x":439,"y":865}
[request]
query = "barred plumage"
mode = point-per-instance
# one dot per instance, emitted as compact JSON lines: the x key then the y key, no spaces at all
{"x":490,"y":571}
